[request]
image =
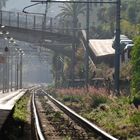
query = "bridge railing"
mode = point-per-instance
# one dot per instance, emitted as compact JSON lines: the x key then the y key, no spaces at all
{"x":29,"y":21}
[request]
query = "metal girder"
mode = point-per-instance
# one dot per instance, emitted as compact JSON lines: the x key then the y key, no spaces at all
{"x":67,"y":1}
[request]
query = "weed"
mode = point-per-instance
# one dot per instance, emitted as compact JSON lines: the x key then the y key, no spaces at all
{"x":135,"y":119}
{"x":116,"y":115}
{"x":73,"y":98}
{"x":96,"y":100}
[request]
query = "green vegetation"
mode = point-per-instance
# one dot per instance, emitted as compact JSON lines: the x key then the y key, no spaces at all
{"x":130,"y":20}
{"x":136,"y":72}
{"x":136,"y":66}
{"x":126,"y":71}
{"x":116,"y":115}
{"x":103,"y":26}
{"x":69,"y":98}
{"x":130,"y":23}
{"x":62,"y":124}
{"x":20,"y":110}
{"x":97,"y":100}
{"x":72,"y":11}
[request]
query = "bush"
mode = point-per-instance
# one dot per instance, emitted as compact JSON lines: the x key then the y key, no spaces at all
{"x":96,"y":100}
{"x":136,"y":100}
{"x":135,"y":119}
{"x":71,"y":98}
{"x":136,"y":66}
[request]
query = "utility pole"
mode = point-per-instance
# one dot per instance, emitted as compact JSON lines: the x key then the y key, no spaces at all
{"x":21,"y":54}
{"x":4,"y":74}
{"x":8,"y":72}
{"x":73,"y":48}
{"x":87,"y":48}
{"x":117,"y":48}
{"x":6,"y":81}
{"x":3,"y":78}
{"x":11,"y":69}
{"x":17,"y":71}
{"x":12,"y":42}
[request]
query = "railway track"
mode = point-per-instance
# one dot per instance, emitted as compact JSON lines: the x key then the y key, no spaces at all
{"x":55,"y":121}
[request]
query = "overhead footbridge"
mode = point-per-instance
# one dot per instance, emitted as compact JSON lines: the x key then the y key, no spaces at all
{"x":33,"y":29}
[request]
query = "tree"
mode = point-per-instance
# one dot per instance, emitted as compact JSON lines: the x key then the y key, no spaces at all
{"x":2,"y":3}
{"x":130,"y":10}
{"x":102,"y":15}
{"x":136,"y":66}
{"x":132,"y":14}
{"x":72,"y":11}
{"x":106,"y":17}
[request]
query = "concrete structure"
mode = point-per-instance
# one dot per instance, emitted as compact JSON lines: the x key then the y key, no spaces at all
{"x":7,"y":102}
{"x":30,"y":28}
{"x":102,"y":51}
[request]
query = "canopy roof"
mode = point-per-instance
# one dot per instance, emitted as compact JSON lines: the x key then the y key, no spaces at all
{"x":101,"y":47}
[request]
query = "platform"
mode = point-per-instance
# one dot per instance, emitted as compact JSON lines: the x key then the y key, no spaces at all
{"x":7,"y":102}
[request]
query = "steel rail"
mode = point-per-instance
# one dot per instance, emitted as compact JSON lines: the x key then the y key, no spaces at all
{"x":37,"y":123}
{"x":84,"y":122}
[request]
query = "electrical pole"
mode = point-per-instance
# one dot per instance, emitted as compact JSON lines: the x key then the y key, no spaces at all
{"x":87,"y":48}
{"x":11,"y":69}
{"x":21,"y":54}
{"x":117,"y":49}
{"x":6,"y":69}
{"x":3,"y":77}
{"x":73,"y":47}
{"x":17,"y":72}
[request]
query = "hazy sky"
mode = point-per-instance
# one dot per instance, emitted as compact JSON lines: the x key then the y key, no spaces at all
{"x":18,"y":5}
{"x":33,"y":70}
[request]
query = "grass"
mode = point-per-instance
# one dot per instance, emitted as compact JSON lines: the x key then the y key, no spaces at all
{"x":20,"y":110}
{"x":121,"y":119}
{"x":116,"y":115}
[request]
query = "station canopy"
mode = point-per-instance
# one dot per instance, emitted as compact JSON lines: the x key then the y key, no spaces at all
{"x":101,"y":47}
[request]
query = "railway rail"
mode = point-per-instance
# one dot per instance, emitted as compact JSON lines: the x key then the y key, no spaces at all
{"x":36,"y":130}
{"x":82,"y":122}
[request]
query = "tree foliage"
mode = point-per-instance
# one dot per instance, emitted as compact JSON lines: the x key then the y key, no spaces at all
{"x":71,"y":11}
{"x":136,"y":66}
{"x":106,"y":14}
{"x":130,"y":14}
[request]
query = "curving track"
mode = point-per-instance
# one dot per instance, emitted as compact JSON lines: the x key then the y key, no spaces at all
{"x":80,"y":121}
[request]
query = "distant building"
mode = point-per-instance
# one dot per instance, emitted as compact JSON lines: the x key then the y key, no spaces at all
{"x":101,"y":51}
